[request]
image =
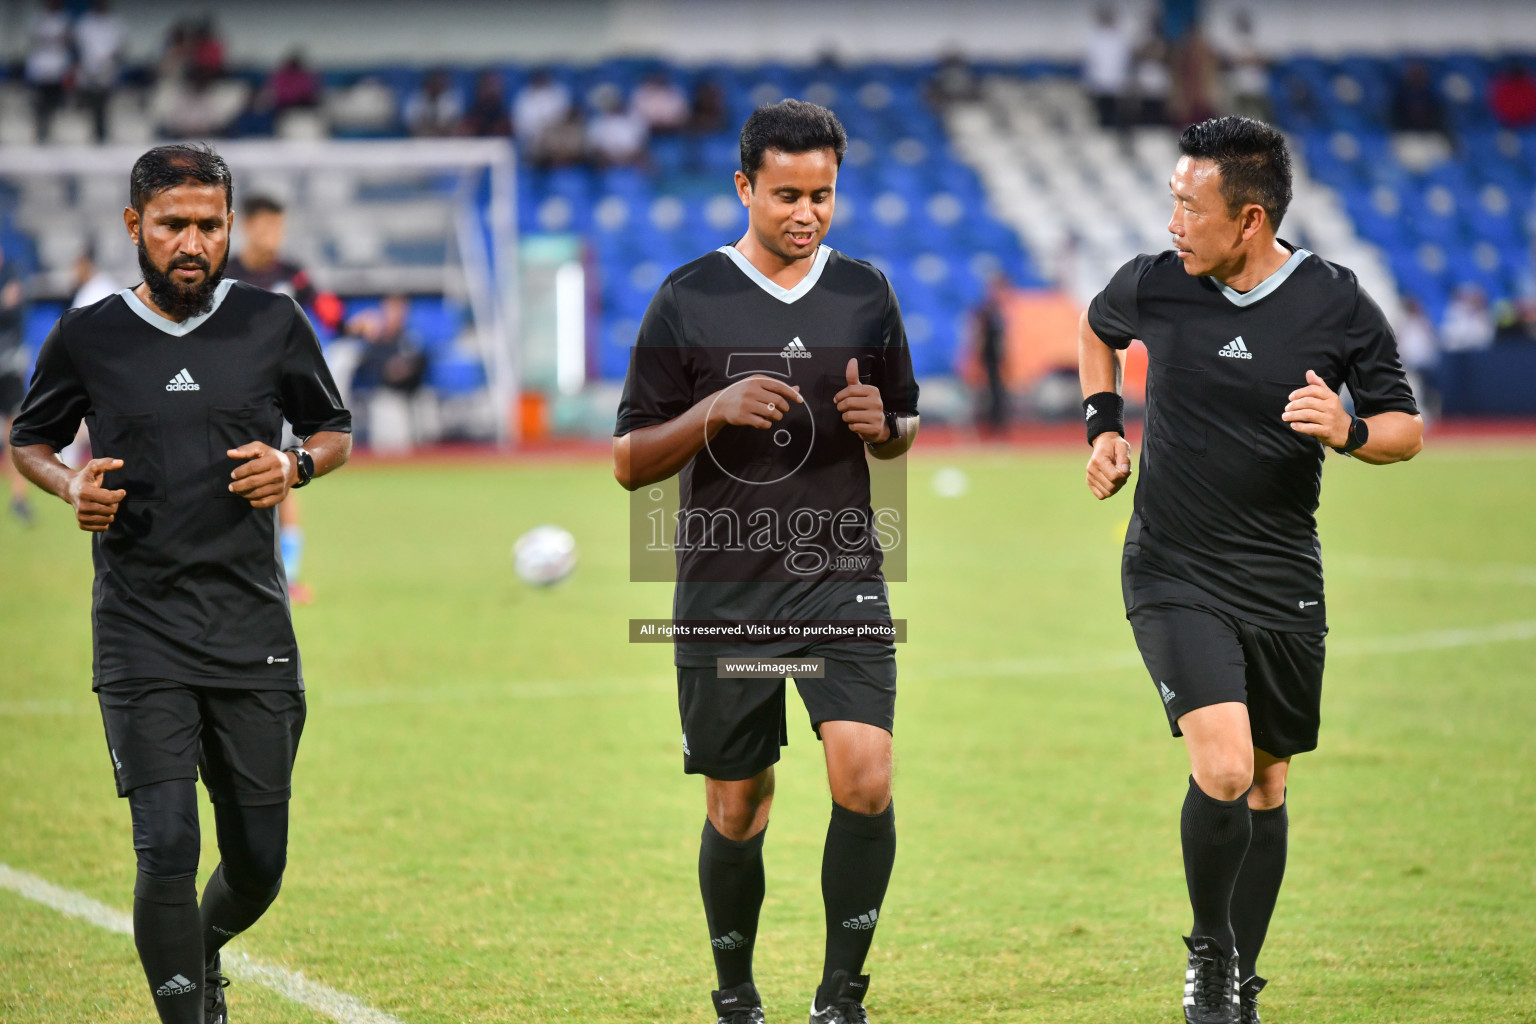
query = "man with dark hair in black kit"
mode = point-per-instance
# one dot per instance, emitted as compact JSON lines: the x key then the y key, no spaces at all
{"x":1251,"y":340}
{"x":185,"y":382}
{"x":766,"y":373}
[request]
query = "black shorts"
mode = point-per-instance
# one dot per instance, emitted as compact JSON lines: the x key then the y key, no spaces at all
{"x":1199,"y":655}
{"x":243,"y":741}
{"x":12,"y":390}
{"x":733,"y":728}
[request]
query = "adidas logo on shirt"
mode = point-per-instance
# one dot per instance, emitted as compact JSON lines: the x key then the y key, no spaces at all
{"x":183,"y":382}
{"x":731,"y":940}
{"x":177,"y":986}
{"x":1235,"y":349}
{"x":864,"y":922}
{"x":795,"y":350}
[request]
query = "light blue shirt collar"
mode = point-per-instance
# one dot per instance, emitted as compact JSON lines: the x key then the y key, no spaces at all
{"x":172,"y":327}
{"x":818,"y":262}
{"x":1266,"y":286}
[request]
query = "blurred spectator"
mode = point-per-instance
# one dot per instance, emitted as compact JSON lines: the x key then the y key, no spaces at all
{"x":13,"y":384}
{"x":205,"y":52}
{"x":991,"y":332}
{"x":1420,"y":351}
{"x":196,"y":109}
{"x":1247,"y":71}
{"x":563,"y":143}
{"x":1107,"y":67}
{"x":92,"y":284}
{"x":953,"y":82}
{"x":1416,"y":107}
{"x":540,"y":103}
{"x":708,"y":108}
{"x":1196,"y":78}
{"x":99,"y":37}
{"x":660,"y":104}
{"x":48,"y":62}
{"x":392,"y":358}
{"x":292,"y":86}
{"x":1468,"y":325}
{"x":615,"y":136}
{"x":1153,"y":82}
{"x":487,"y":113}
{"x":1512,"y":96}
{"x":435,"y":108}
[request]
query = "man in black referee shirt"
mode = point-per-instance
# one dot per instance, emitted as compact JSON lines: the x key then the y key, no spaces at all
{"x":763,"y":373}
{"x":185,"y":382}
{"x":1250,"y":340}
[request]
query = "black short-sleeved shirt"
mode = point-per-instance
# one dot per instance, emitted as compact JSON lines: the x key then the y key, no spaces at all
{"x":773,"y":524}
{"x":1227,"y":490}
{"x":189,"y":584}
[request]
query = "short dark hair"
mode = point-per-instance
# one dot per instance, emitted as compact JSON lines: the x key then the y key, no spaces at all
{"x":259,"y":204}
{"x":165,"y":167}
{"x":1253,"y":159}
{"x":790,"y":126}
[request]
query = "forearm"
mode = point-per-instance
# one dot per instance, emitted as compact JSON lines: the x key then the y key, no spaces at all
{"x":1098,"y":365}
{"x":657,"y":452}
{"x":1394,"y":437}
{"x":41,"y":464}
{"x":330,"y":449}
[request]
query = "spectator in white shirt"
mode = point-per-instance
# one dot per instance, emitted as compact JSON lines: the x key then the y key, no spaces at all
{"x":48,"y":62}
{"x":1107,"y":67}
{"x":435,"y":108}
{"x":539,"y":104}
{"x":99,"y":37}
{"x":660,"y":104}
{"x":1419,"y":349}
{"x":615,"y":136}
{"x":1468,"y":325}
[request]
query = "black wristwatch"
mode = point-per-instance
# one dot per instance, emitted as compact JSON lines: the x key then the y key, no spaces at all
{"x":892,"y":424}
{"x":1359,"y":433}
{"x":305,"y":463}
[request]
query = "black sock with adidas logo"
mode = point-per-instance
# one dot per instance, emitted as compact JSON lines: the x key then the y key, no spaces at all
{"x":169,"y":936}
{"x":855,"y":869}
{"x":731,"y":882}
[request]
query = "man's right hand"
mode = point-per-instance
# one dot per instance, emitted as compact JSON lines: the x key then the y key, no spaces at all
{"x":95,"y":506}
{"x":755,"y":402}
{"x":1109,"y":467}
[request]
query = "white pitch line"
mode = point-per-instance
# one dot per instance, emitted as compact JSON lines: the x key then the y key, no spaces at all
{"x":292,"y":985}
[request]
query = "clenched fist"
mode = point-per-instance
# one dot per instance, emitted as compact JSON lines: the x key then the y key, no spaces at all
{"x":1109,"y":467}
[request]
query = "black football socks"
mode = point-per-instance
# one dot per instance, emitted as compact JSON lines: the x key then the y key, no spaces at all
{"x":169,"y":938}
{"x":855,"y":870}
{"x":731,"y":882}
{"x":253,"y":842}
{"x":1258,"y":885}
{"x":1215,"y":835}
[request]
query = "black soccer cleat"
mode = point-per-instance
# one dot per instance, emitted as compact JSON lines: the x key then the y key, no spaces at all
{"x":1248,"y":993}
{"x":214,"y":1010}
{"x":1210,"y":984}
{"x":739,"y":1005}
{"x":841,"y":1001}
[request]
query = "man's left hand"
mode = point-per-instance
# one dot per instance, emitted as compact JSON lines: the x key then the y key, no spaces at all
{"x":267,"y":475}
{"x":1318,"y":411}
{"x":862,"y":408}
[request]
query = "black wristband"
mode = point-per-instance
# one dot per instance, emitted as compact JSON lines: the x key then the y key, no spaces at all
{"x":1104,"y":411}
{"x":1359,"y":434}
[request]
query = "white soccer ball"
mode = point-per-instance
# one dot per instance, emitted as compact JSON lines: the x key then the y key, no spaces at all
{"x":544,"y":556}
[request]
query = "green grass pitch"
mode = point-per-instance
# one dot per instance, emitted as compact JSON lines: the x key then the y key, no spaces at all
{"x":491,"y":824}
